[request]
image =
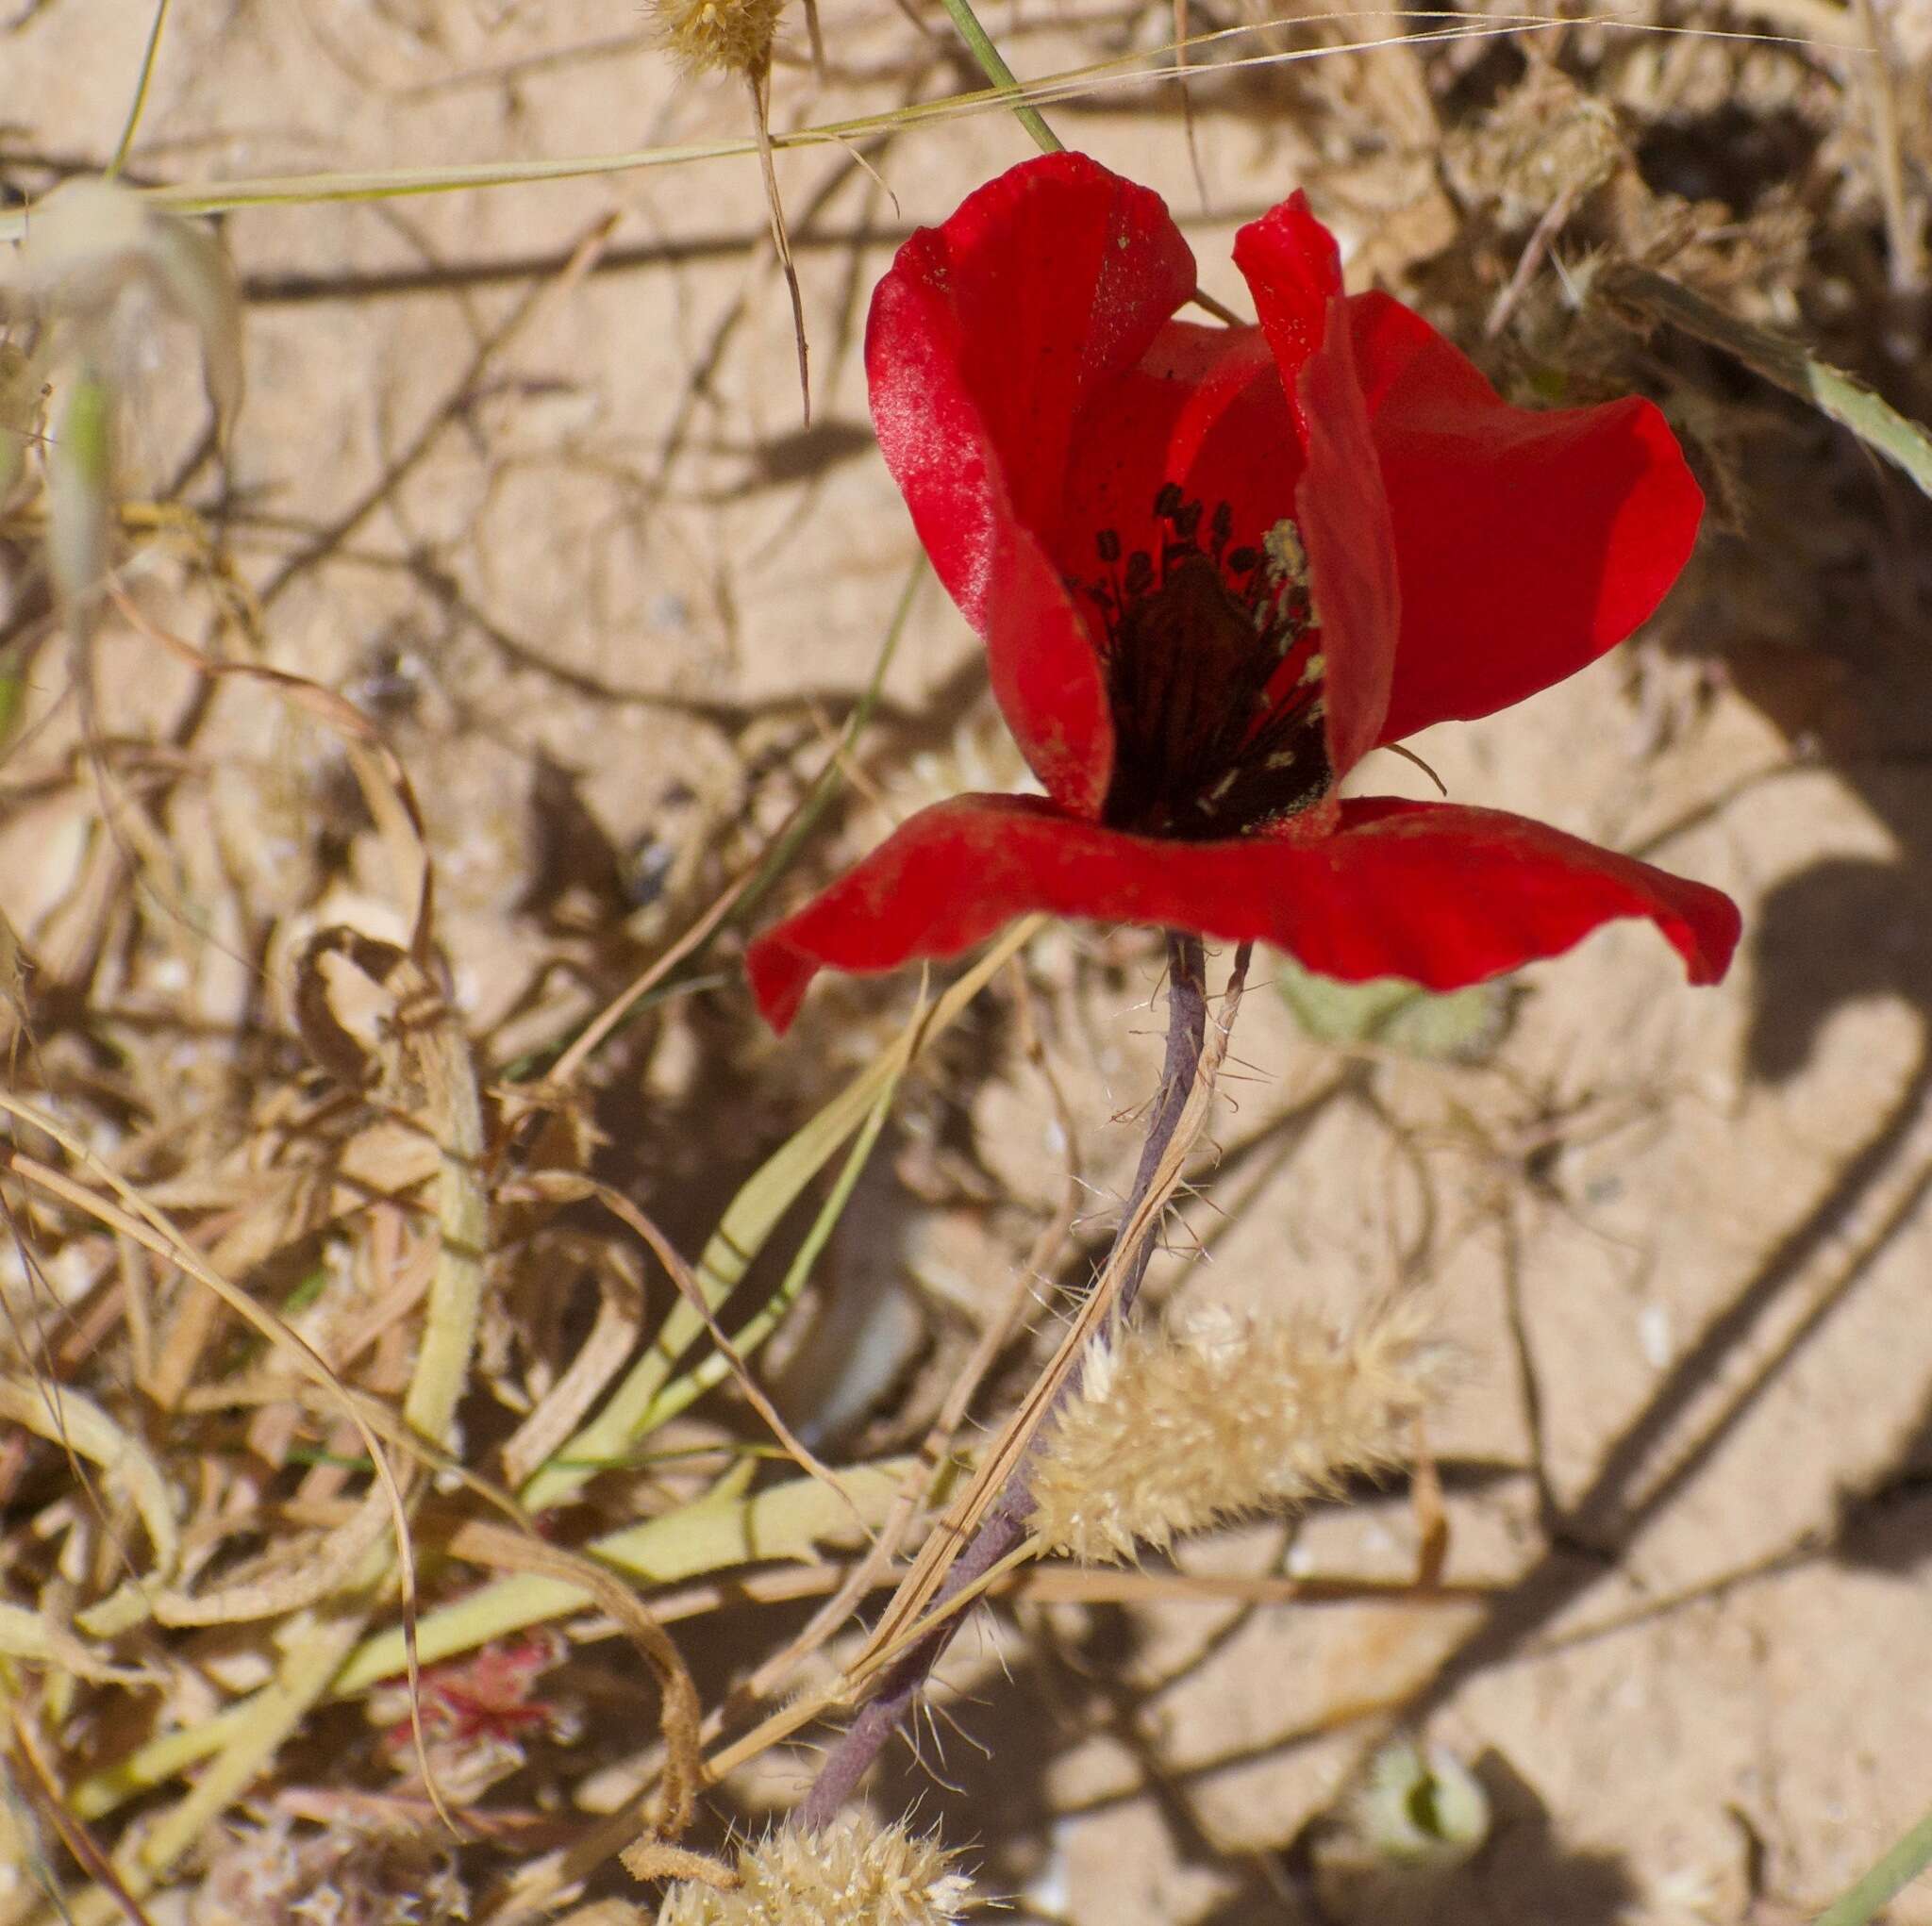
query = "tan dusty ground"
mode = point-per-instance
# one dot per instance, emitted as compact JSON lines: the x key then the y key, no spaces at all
{"x":608,"y":604}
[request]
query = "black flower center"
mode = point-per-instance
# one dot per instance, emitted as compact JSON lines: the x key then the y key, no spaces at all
{"x":1214,"y":677}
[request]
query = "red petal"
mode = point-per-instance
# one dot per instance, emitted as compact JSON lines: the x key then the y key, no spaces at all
{"x":1294,"y":270}
{"x":1294,"y":273}
{"x":988,"y":335}
{"x":1443,"y":895}
{"x":1204,"y":409}
{"x":1528,"y":541}
{"x":1346,"y":529}
{"x":1446,"y":896}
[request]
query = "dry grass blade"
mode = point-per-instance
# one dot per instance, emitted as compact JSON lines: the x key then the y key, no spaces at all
{"x":84,"y":1430}
{"x":1180,"y":64}
{"x":1905,"y":443}
{"x":598,"y":1359}
{"x":39,"y":1638}
{"x":934,"y":1453}
{"x":585,"y":1046}
{"x":430,"y":1055}
{"x":643,"y":1399}
{"x":568,"y":1187}
{"x":748,"y":886}
{"x":150,"y":1229}
{"x":790,"y":1521}
{"x":1071,"y":1584}
{"x":520,"y":1551}
{"x":124,"y":146}
{"x":437,"y":1060}
{"x":1153,"y":66}
{"x":350,"y":1565}
{"x":1904,"y":236}
{"x":921,"y":1475}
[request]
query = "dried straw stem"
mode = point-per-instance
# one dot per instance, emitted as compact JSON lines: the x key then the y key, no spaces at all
{"x":1003,"y":1527}
{"x":759,"y":81}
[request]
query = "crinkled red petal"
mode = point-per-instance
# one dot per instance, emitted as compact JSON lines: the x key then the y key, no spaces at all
{"x":1447,"y":895}
{"x":1294,"y":273}
{"x":986,"y":338}
{"x":1443,"y":895}
{"x":1529,"y":541}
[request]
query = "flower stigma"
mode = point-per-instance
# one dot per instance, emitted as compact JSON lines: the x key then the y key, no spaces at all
{"x":1214,"y":676}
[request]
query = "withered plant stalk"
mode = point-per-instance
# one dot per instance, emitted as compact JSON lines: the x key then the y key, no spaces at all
{"x":1004,"y":1526}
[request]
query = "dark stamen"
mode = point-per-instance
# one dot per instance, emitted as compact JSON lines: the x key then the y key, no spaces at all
{"x":1214,"y":679}
{"x":1220,"y":528}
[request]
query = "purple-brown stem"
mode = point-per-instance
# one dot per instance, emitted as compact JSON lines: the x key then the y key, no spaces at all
{"x":1004,"y":1525}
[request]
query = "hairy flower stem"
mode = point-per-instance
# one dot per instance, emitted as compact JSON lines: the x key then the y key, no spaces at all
{"x":1005,"y":1523}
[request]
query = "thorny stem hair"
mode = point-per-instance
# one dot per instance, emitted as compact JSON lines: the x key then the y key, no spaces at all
{"x":1003,"y":1527}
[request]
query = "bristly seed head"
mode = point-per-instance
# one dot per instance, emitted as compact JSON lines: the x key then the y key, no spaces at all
{"x":1214,"y":676}
{"x":1176,"y":1430}
{"x":856,"y":1873}
{"x":713,"y":36}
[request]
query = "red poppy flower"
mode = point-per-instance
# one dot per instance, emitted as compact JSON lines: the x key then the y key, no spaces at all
{"x":1213,"y":568}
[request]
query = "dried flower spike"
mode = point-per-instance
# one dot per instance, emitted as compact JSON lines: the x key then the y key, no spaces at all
{"x":856,"y":1873}
{"x":1175,"y":1430}
{"x":719,"y":36}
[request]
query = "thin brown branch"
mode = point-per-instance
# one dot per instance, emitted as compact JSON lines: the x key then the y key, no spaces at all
{"x":1002,"y":1529}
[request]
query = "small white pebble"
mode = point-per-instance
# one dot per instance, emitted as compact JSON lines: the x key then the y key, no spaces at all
{"x":1654,"y":1335}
